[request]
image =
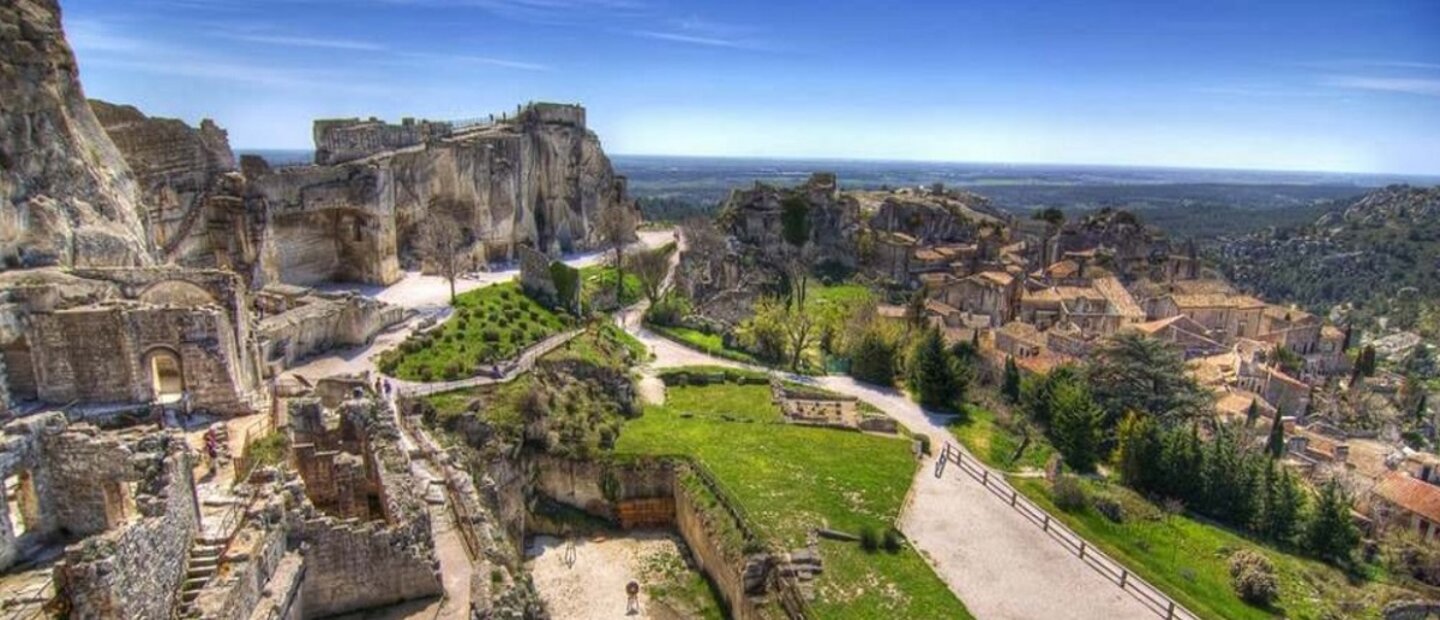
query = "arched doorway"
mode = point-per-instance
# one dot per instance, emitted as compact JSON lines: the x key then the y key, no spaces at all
{"x":167,"y":378}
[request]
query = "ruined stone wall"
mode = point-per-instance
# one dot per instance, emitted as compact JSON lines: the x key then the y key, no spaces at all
{"x":323,"y":323}
{"x":100,"y":354}
{"x":352,"y":566}
{"x":135,"y":571}
{"x":341,"y":140}
{"x":328,"y":223}
{"x":281,"y":597}
{"x":241,"y":586}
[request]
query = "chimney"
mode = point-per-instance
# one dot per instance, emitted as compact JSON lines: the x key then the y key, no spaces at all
{"x":1342,"y":453}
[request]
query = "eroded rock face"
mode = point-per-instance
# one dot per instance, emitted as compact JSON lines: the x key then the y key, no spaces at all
{"x":190,"y":187}
{"x":540,"y":179}
{"x":67,"y":195}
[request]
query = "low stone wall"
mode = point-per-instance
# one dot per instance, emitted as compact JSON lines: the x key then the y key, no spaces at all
{"x":136,"y":571}
{"x":281,"y":598}
{"x":1412,"y":610}
{"x":325,"y":322}
{"x":351,"y":566}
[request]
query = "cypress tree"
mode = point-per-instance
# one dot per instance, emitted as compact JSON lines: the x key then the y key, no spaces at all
{"x":1010,"y":389}
{"x":1420,"y":408}
{"x":1331,"y":535}
{"x":1252,"y":413}
{"x":1275,"y":445}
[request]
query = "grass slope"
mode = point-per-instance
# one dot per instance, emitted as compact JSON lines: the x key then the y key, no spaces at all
{"x":791,"y":479}
{"x":1189,"y":560}
{"x":490,"y":324}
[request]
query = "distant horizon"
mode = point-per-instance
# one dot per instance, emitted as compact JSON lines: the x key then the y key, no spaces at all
{"x":1422,"y":178}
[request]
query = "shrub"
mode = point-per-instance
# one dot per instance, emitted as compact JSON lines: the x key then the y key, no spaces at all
{"x":869,"y":538}
{"x":1253,"y":577}
{"x":454,"y":370}
{"x":1110,"y":507}
{"x":893,"y":541}
{"x":490,"y":335}
{"x":1068,"y":494}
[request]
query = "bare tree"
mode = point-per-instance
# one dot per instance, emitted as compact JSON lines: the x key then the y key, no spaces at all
{"x":616,"y":228}
{"x":440,"y":243}
{"x":651,"y":267}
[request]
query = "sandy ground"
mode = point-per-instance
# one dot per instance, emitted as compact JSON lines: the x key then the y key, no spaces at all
{"x":590,"y":584}
{"x":995,"y":560}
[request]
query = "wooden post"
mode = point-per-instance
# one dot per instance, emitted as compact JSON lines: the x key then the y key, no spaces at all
{"x":1013,"y":496}
{"x":1170,"y":612}
{"x":1124,"y":576}
{"x":1046,"y":527}
{"x":984,"y":477}
{"x":1082,"y":549}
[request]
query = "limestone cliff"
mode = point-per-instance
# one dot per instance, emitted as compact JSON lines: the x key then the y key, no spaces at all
{"x":191,"y":189}
{"x":540,"y":179}
{"x":67,"y":196}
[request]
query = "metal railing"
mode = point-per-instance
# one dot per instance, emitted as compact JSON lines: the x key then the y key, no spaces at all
{"x":1149,"y":596}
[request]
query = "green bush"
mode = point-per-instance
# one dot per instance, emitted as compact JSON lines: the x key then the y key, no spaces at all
{"x":1110,"y":508}
{"x":869,"y":538}
{"x":490,"y":335}
{"x":1068,"y":494}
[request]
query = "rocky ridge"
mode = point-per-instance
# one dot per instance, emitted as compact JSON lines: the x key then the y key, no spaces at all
{"x":67,"y":194}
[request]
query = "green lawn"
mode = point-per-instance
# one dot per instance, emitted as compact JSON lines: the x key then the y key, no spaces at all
{"x":1188,"y":559}
{"x":995,"y":443}
{"x":490,"y":324}
{"x":838,"y":293}
{"x":602,"y":278}
{"x":790,"y":479}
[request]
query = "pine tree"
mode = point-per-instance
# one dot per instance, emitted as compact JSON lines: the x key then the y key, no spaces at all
{"x":1288,"y":508}
{"x":872,"y":359}
{"x":1275,"y":445}
{"x":1077,"y":425}
{"x":934,"y":377}
{"x":1331,"y":534}
{"x":1010,"y":389}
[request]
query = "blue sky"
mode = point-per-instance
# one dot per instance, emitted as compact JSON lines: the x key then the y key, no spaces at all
{"x":1314,"y":85}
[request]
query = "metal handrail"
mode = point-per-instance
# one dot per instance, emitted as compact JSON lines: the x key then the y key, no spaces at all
{"x":1148,"y":595}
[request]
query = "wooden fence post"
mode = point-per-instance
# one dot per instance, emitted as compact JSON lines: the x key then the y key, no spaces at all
{"x":1046,"y":527}
{"x":984,"y":477}
{"x":1170,"y":612}
{"x":1124,"y":576}
{"x":1082,"y":548}
{"x":1013,"y":496}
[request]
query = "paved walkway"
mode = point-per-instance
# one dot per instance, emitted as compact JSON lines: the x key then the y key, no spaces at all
{"x":997,"y":562}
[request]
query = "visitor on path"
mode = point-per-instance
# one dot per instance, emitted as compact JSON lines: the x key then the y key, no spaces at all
{"x":632,"y":598}
{"x":212,"y":448}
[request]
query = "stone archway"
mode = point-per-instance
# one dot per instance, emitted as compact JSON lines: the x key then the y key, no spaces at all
{"x":167,"y":374}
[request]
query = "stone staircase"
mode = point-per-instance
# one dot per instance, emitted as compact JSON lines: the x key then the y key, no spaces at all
{"x":204,"y":563}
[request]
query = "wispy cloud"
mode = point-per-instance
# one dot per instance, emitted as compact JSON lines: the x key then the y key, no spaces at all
{"x":306,"y":41}
{"x":697,"y":31}
{"x":1413,"y":86}
{"x":239,"y":73}
{"x":1358,"y":64}
{"x":546,"y":11}
{"x":475,"y":60}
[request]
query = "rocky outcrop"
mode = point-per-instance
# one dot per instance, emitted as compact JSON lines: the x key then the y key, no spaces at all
{"x":540,"y":179}
{"x":67,"y":196}
{"x":826,"y":218}
{"x":930,"y":217}
{"x":191,"y":189}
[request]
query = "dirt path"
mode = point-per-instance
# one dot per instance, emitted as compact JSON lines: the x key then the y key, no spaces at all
{"x":996,"y":561}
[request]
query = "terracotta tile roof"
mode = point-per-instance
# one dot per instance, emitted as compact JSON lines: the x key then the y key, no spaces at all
{"x":1022,"y":331}
{"x":1120,"y":298}
{"x":1154,"y":327}
{"x":1196,"y":287}
{"x":998,"y":277}
{"x":940,"y":307}
{"x":1289,"y":315}
{"x":1215,"y":300}
{"x":1044,"y":362}
{"x":1411,"y":495}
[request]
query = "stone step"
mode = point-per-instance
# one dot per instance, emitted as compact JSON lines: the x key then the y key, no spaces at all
{"x":194,"y":584}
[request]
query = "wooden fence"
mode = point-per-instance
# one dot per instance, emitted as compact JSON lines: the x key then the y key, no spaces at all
{"x":1149,"y":596}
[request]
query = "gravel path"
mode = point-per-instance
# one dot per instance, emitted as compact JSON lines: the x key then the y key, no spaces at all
{"x":996,"y":561}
